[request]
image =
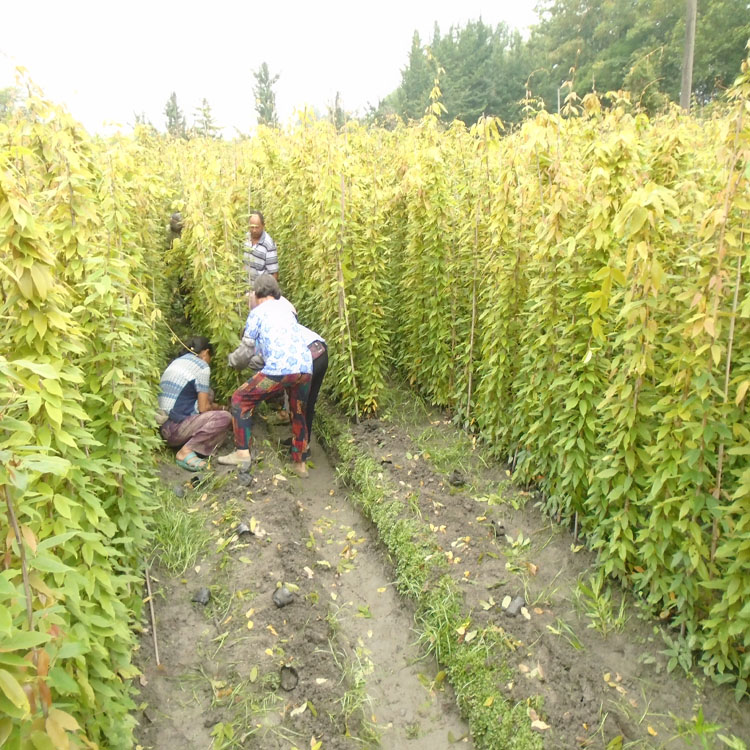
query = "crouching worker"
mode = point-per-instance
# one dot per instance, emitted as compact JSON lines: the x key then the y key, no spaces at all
{"x":194,"y":423}
{"x":272,"y":332}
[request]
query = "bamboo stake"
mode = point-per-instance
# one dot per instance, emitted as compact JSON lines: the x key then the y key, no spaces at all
{"x":470,"y":364}
{"x":22,"y":554}
{"x":153,"y":617}
{"x":342,"y":300}
{"x":720,"y":460}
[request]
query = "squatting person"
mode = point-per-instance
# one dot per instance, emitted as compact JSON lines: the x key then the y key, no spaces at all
{"x":191,"y":420}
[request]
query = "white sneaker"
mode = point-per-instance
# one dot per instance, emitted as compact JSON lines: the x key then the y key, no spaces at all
{"x":233,"y":459}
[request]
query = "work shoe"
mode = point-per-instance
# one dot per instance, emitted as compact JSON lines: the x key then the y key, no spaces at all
{"x":233,"y":459}
{"x":300,"y":469}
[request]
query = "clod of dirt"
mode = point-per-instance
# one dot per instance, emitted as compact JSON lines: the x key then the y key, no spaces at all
{"x":202,"y":596}
{"x":242,"y":529}
{"x":282,"y":596}
{"x":499,"y":529}
{"x":288,"y":678}
{"x":515,"y":606}
{"x":245,"y":479}
{"x":245,"y":468}
{"x":456,"y":479}
{"x":178,"y":491}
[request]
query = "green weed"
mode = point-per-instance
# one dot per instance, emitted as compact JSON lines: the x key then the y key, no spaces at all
{"x":180,"y":535}
{"x":593,"y":600}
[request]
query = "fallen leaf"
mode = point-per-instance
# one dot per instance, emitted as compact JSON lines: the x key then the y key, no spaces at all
{"x":279,"y":477}
{"x":607,"y":677}
{"x":250,"y":624}
{"x":320,"y":681}
{"x":253,"y":674}
{"x":299,"y":710}
{"x":525,"y":613}
{"x":539,"y":725}
{"x":523,"y":669}
{"x":381,"y":589}
{"x":308,"y":572}
{"x":651,"y":731}
{"x":489,"y":701}
{"x":506,"y":602}
{"x":470,"y":636}
{"x":197,"y":568}
{"x":538,"y":611}
{"x":250,"y":612}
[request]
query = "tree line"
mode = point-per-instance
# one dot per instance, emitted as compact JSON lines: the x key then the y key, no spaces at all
{"x":635,"y":46}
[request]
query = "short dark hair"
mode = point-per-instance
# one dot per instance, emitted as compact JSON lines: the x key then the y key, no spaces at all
{"x":266,"y":286}
{"x":259,"y":215}
{"x":196,"y":344}
{"x":175,"y":222}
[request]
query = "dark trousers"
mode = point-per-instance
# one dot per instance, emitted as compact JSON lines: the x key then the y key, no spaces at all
{"x":319,"y":367}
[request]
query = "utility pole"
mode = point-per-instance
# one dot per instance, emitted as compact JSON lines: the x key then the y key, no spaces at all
{"x":691,"y":13}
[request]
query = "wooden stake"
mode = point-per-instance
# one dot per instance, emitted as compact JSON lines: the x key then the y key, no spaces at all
{"x":153,"y":617}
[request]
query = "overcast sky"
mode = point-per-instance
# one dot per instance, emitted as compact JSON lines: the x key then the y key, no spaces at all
{"x":107,"y":60}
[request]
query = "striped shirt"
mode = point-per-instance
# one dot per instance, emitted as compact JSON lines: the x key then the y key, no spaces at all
{"x":182,"y":381}
{"x":260,"y":258}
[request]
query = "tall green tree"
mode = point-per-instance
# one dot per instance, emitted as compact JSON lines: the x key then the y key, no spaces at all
{"x":205,"y":126}
{"x":176,"y":126}
{"x":637,"y":45}
{"x":265,"y":98}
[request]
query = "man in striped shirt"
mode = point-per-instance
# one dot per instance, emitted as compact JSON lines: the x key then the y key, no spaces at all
{"x":259,"y":254}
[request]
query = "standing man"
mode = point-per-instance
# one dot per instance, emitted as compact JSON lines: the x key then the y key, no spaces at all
{"x":259,"y":254}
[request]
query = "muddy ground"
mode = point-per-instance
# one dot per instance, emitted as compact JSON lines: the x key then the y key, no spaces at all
{"x":339,"y":666}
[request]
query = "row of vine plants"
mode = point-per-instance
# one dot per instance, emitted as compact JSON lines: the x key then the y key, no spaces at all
{"x":81,"y":343}
{"x":576,"y":292}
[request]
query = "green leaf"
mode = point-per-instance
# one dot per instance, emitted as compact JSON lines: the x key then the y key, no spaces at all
{"x":13,"y":691}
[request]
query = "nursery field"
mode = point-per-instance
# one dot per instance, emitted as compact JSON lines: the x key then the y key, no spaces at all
{"x":554,"y":553}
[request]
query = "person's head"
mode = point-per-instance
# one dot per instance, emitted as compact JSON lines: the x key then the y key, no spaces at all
{"x":200,"y":346}
{"x":175,"y":223}
{"x":266,"y":286}
{"x":257,"y":225}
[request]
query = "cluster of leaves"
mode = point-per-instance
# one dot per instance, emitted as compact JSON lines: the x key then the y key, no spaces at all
{"x":81,"y":340}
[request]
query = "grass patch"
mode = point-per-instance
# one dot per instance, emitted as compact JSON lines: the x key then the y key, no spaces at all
{"x":180,"y":534}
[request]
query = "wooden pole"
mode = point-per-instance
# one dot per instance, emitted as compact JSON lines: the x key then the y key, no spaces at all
{"x":691,"y":13}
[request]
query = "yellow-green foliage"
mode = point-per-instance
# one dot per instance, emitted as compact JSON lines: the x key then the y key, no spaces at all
{"x":569,"y":290}
{"x":79,"y":221}
{"x":577,"y":292}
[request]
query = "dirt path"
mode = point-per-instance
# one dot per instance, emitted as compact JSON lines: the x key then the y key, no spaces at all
{"x":582,"y":665}
{"x":346,"y":639}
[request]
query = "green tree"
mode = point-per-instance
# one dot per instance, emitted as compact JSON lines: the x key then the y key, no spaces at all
{"x":607,"y":45}
{"x":205,"y":127}
{"x":10,"y":100}
{"x":336,"y":113}
{"x":176,"y":126}
{"x":265,"y":98}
